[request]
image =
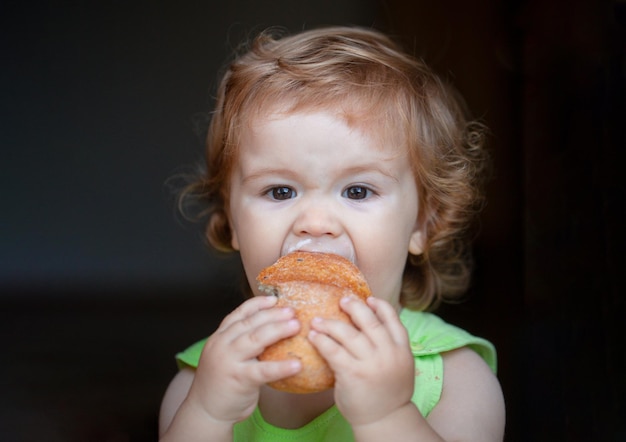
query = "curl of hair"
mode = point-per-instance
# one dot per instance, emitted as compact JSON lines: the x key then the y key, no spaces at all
{"x":366,"y":78}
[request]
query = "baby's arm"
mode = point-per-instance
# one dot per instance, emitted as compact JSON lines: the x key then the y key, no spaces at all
{"x":471,"y":398}
{"x":471,"y":408}
{"x":175,"y":394}
{"x":374,"y":374}
{"x":205,"y":404}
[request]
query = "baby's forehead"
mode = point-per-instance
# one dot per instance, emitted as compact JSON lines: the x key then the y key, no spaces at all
{"x":384,"y":132}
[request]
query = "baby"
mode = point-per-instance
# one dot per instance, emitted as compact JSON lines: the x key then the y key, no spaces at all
{"x":334,"y":140}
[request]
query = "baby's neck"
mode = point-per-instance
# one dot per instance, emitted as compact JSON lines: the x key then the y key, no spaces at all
{"x":291,"y":411}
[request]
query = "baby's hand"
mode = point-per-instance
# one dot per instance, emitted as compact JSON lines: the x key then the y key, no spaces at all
{"x":372,"y":361}
{"x":229,"y":376}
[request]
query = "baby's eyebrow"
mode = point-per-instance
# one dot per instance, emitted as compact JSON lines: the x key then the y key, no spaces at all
{"x":368,"y":168}
{"x":268,"y":171}
{"x":348,"y":171}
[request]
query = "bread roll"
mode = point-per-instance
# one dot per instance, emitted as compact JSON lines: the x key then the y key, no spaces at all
{"x":312,"y":284}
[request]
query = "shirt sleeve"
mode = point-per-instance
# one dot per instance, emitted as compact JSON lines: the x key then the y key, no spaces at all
{"x":191,"y":355}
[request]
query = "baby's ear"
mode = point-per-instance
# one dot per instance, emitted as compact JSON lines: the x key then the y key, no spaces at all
{"x":234,"y":241}
{"x":416,"y":242}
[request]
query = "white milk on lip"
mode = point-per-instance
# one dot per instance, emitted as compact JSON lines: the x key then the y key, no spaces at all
{"x":322,"y":246}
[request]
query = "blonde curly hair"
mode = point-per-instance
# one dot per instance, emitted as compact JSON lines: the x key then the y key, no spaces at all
{"x":367,"y":78}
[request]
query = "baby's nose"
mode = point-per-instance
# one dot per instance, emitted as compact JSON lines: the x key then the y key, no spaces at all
{"x":318,"y":219}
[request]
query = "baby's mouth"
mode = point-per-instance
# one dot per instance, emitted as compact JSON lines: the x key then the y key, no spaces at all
{"x":319,"y":245}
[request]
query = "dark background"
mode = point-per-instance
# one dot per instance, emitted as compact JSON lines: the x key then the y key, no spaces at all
{"x":101,"y":282}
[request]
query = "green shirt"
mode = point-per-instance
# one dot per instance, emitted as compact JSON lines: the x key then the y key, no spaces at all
{"x":430,"y":336}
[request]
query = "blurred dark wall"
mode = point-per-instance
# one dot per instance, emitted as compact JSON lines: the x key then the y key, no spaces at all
{"x":102,"y":103}
{"x":101,"y":282}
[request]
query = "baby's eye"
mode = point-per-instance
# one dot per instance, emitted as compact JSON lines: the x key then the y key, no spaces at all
{"x":357,"y":193}
{"x":281,"y":193}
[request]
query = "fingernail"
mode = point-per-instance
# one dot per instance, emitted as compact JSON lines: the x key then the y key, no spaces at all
{"x":295,"y":366}
{"x":347,"y":299}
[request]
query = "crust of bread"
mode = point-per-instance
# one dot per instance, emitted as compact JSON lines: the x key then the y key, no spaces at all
{"x":312,"y":284}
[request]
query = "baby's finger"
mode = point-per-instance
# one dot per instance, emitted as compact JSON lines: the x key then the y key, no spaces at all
{"x":258,"y":319}
{"x":335,"y":354}
{"x":387,"y":314}
{"x":247,"y":309}
{"x":251,"y":343}
{"x":340,"y":335}
{"x":270,"y":371}
{"x":362,"y":315}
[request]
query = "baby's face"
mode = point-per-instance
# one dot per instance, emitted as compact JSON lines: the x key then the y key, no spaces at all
{"x":308,"y":181}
